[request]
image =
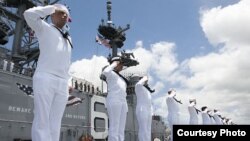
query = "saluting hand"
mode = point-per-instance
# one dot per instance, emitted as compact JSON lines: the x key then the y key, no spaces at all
{"x":117,"y":62}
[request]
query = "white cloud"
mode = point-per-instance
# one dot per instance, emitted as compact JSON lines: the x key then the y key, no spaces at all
{"x":159,"y":59}
{"x":219,"y":80}
{"x":158,"y":86}
{"x":89,"y":69}
{"x":144,"y":57}
{"x":222,"y":78}
{"x":228,"y":25}
{"x":151,"y":61}
{"x":164,"y":59}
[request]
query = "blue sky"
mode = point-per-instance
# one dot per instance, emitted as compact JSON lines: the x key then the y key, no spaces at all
{"x":151,"y":21}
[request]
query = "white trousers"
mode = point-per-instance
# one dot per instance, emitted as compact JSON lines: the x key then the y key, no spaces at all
{"x":117,"y":113}
{"x":5,"y":63}
{"x":144,"y":119}
{"x":11,"y":66}
{"x":173,"y":119}
{"x":50,"y":98}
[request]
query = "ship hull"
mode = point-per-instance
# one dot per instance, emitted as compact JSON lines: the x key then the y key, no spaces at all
{"x":88,"y":117}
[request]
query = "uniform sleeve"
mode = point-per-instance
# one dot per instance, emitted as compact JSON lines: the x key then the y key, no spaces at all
{"x":139,"y":85}
{"x":109,"y":69}
{"x":142,"y":81}
{"x":33,"y":16}
{"x":192,"y":110}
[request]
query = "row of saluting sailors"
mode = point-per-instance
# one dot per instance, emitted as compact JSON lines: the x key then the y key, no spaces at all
{"x":208,"y":117}
{"x":84,"y":87}
{"x":5,"y":64}
{"x":11,"y":67}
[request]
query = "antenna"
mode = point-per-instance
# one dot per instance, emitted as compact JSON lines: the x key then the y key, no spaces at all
{"x":116,"y":37}
{"x":109,"y":4}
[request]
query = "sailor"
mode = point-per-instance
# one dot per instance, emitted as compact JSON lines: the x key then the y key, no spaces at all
{"x":88,"y":88}
{"x":11,"y":66}
{"x":50,"y":81}
{"x":85,"y":87}
{"x":230,"y":122}
{"x":116,"y":102}
{"x":5,"y":63}
{"x":211,"y":116}
{"x":224,"y":120}
{"x":76,"y":85}
{"x":144,"y":109}
{"x":193,"y":112}
{"x":217,"y":117}
{"x":80,"y":86}
{"x":205,"y":117}
{"x":173,"y":109}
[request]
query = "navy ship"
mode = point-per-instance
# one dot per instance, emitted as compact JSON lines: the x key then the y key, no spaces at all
{"x":85,"y":114}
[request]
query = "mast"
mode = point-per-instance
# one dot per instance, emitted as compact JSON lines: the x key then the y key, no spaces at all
{"x":18,"y":32}
{"x":116,"y":37}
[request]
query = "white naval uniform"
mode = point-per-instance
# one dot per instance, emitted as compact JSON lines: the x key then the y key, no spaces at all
{"x":205,"y":118}
{"x":230,"y":122}
{"x":116,"y":103}
{"x":193,"y":114}
{"x":11,"y":66}
{"x":217,"y":119}
{"x":50,"y":81}
{"x":212,"y":121}
{"x":173,"y":112}
{"x":224,"y":121}
{"x":143,"y":110}
{"x":5,"y":63}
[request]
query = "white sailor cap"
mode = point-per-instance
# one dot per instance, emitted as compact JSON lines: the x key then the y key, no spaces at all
{"x":217,"y":112}
{"x":172,"y":92}
{"x":116,"y":58}
{"x":63,"y":8}
{"x":203,"y":108}
{"x":192,"y":100}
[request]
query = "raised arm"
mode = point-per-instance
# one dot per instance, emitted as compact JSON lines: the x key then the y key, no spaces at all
{"x":34,"y":16}
{"x":142,"y":81}
{"x":110,"y":68}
